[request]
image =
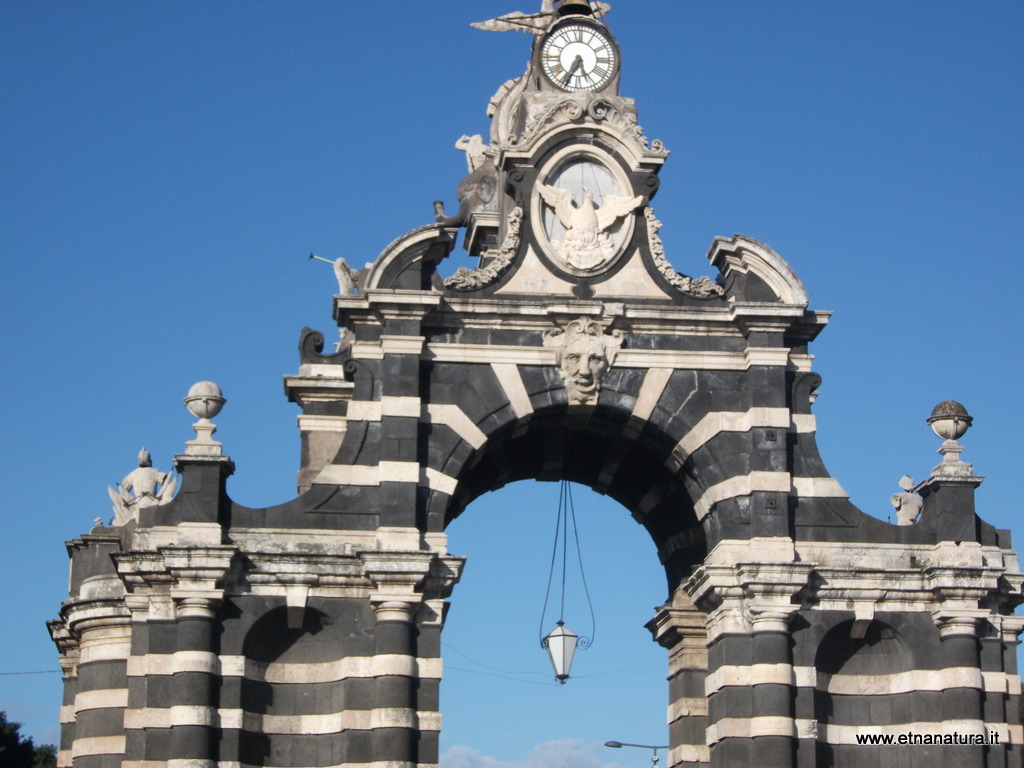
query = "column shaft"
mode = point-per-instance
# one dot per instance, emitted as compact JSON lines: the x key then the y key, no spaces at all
{"x":774,"y":736}
{"x":193,"y":712}
{"x":961,"y":651}
{"x":395,"y":723}
{"x":101,"y":693}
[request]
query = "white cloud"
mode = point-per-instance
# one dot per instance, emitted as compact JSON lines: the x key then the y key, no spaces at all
{"x":561,"y":753}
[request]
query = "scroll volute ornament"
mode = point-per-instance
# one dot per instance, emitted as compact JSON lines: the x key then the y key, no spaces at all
{"x":583,"y":354}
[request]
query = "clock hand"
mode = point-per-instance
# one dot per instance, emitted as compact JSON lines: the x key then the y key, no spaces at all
{"x":568,"y":75}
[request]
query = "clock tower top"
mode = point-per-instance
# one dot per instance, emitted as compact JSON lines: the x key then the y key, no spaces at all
{"x":573,"y":74}
{"x":558,"y":201}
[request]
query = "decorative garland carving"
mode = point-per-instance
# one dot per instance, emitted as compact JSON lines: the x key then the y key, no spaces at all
{"x":702,"y":287}
{"x":471,"y":279}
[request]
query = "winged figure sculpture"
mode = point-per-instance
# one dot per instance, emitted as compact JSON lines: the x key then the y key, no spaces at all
{"x":587,"y":245}
{"x":531,"y":23}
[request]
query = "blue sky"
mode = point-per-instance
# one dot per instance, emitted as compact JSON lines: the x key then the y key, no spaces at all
{"x":168,"y":166}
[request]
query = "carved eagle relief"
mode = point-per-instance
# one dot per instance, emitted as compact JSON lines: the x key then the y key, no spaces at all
{"x":586,"y":245}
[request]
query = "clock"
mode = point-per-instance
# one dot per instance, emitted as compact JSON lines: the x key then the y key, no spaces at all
{"x":577,"y":56}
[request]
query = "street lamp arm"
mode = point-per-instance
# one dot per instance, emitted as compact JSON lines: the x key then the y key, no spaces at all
{"x":618,"y":744}
{"x":654,"y":749}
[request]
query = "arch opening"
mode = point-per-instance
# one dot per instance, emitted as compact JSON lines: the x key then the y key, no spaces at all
{"x":490,"y":642}
{"x":629,"y":466}
{"x":604,"y":449}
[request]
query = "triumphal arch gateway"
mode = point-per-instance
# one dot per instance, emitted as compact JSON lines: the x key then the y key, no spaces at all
{"x":202,"y":633}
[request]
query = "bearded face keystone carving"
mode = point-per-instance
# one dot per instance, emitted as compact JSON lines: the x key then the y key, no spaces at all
{"x":583,"y":353}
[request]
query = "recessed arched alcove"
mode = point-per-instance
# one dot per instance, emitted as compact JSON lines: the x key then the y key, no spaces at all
{"x":490,"y":643}
{"x":864,"y":673}
{"x":297,"y":692}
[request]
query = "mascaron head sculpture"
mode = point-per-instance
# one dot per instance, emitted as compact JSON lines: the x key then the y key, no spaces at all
{"x":583,"y":353}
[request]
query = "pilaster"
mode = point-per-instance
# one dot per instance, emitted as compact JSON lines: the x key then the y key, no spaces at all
{"x":67,"y":645}
{"x":102,"y":628}
{"x":181,"y":588}
{"x":963,"y":704}
{"x":680,"y":627}
{"x":750,"y":682}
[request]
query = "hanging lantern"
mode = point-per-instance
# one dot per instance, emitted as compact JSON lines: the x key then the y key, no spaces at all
{"x":561,"y":645}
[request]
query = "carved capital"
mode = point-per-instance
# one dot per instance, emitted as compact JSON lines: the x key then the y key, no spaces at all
{"x":394,"y":610}
{"x":198,"y":572}
{"x":966,"y":582}
{"x":957,"y":625}
{"x":1009,"y":627}
{"x":396,"y":576}
{"x":67,"y":646}
{"x":673,"y":626}
{"x":770,"y":619}
{"x":81,"y":616}
{"x":180,"y":573}
{"x":197,"y":607}
{"x":749,"y":597}
{"x":445,"y":572}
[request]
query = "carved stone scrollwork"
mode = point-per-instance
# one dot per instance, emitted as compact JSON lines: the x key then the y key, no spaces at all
{"x":311,"y":347}
{"x":804,"y":386}
{"x":499,"y":261}
{"x":562,"y":111}
{"x":615,"y":112}
{"x":702,"y":287}
{"x":583,"y":353}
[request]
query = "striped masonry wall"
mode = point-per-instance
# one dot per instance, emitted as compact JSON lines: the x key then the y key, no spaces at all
{"x":100,"y":689}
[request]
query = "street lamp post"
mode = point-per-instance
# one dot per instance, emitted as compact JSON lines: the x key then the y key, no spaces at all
{"x":654,"y":749}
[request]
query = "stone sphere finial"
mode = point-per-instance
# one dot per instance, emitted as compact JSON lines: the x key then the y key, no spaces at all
{"x":949,"y":420}
{"x":205,"y":400}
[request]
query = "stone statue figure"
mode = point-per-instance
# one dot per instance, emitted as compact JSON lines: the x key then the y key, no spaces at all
{"x":476,"y":191}
{"x":586,"y":245}
{"x":583,"y":353}
{"x":908,"y":505}
{"x":477,"y":153}
{"x":345,"y":275}
{"x":348,"y":279}
{"x":150,"y":487}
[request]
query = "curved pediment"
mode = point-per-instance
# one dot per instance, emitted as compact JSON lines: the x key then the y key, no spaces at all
{"x":409,"y":261}
{"x":753,"y":272}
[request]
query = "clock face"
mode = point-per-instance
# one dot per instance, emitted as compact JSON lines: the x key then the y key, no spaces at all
{"x":578,"y":57}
